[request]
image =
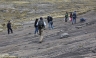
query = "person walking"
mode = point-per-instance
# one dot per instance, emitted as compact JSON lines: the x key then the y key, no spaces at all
{"x":70,"y":16}
{"x":9,"y":29}
{"x":36,"y":26}
{"x":41,"y":28}
{"x":50,"y":22}
{"x":74,"y":17}
{"x":66,"y":17}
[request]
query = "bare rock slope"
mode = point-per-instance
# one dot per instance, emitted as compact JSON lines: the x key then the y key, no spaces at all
{"x":80,"y":44}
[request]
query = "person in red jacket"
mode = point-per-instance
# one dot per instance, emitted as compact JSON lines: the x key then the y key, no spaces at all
{"x":70,"y":16}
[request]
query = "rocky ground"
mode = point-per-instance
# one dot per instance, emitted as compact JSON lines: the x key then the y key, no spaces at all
{"x":81,"y":42}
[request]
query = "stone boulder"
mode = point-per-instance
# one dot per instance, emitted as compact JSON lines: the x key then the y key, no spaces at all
{"x":78,"y":27}
{"x":64,"y":35}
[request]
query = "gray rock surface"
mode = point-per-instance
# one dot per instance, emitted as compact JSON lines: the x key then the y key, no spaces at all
{"x":24,"y":44}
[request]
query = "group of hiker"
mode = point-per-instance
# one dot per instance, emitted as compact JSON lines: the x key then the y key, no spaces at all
{"x":40,"y":24}
{"x":72,"y":17}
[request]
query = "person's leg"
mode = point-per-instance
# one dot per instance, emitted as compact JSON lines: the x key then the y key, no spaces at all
{"x":8,"y":31}
{"x":41,"y":36}
{"x":11,"y":30}
{"x":51,"y":25}
{"x":71,"y":18}
{"x":65,"y":19}
{"x":39,"y":31}
{"x":75,"y":21}
{"x":36,"y":30}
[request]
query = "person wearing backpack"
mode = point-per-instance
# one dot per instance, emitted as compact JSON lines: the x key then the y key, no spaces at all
{"x":50,"y":22}
{"x":36,"y":26}
{"x":41,"y":28}
{"x":9,"y":27}
{"x":74,"y":17}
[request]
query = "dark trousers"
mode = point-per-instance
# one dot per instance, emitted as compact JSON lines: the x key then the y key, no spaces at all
{"x":10,"y":30}
{"x":74,"y":21}
{"x":36,"y":30}
{"x":66,"y":19}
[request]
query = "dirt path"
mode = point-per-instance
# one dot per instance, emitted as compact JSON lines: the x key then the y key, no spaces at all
{"x":80,"y":44}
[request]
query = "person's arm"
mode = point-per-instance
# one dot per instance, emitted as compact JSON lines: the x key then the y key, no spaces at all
{"x":44,"y":23}
{"x":37,"y":24}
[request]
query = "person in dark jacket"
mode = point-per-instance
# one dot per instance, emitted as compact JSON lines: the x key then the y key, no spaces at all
{"x":48,"y":19}
{"x":50,"y":22}
{"x":36,"y":26}
{"x":41,"y":26}
{"x":9,"y":27}
{"x":74,"y":17}
{"x":66,"y":17}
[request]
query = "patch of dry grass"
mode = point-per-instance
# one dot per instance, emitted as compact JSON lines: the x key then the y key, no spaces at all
{"x":15,"y":15}
{"x":7,"y":56}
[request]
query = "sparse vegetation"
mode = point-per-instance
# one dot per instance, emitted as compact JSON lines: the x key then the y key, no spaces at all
{"x":26,"y":10}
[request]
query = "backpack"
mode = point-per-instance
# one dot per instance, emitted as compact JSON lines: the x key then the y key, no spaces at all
{"x":40,"y":24}
{"x":74,"y":15}
{"x":82,"y":20}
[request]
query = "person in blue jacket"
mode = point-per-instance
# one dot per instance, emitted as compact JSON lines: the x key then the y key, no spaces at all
{"x":74,"y":17}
